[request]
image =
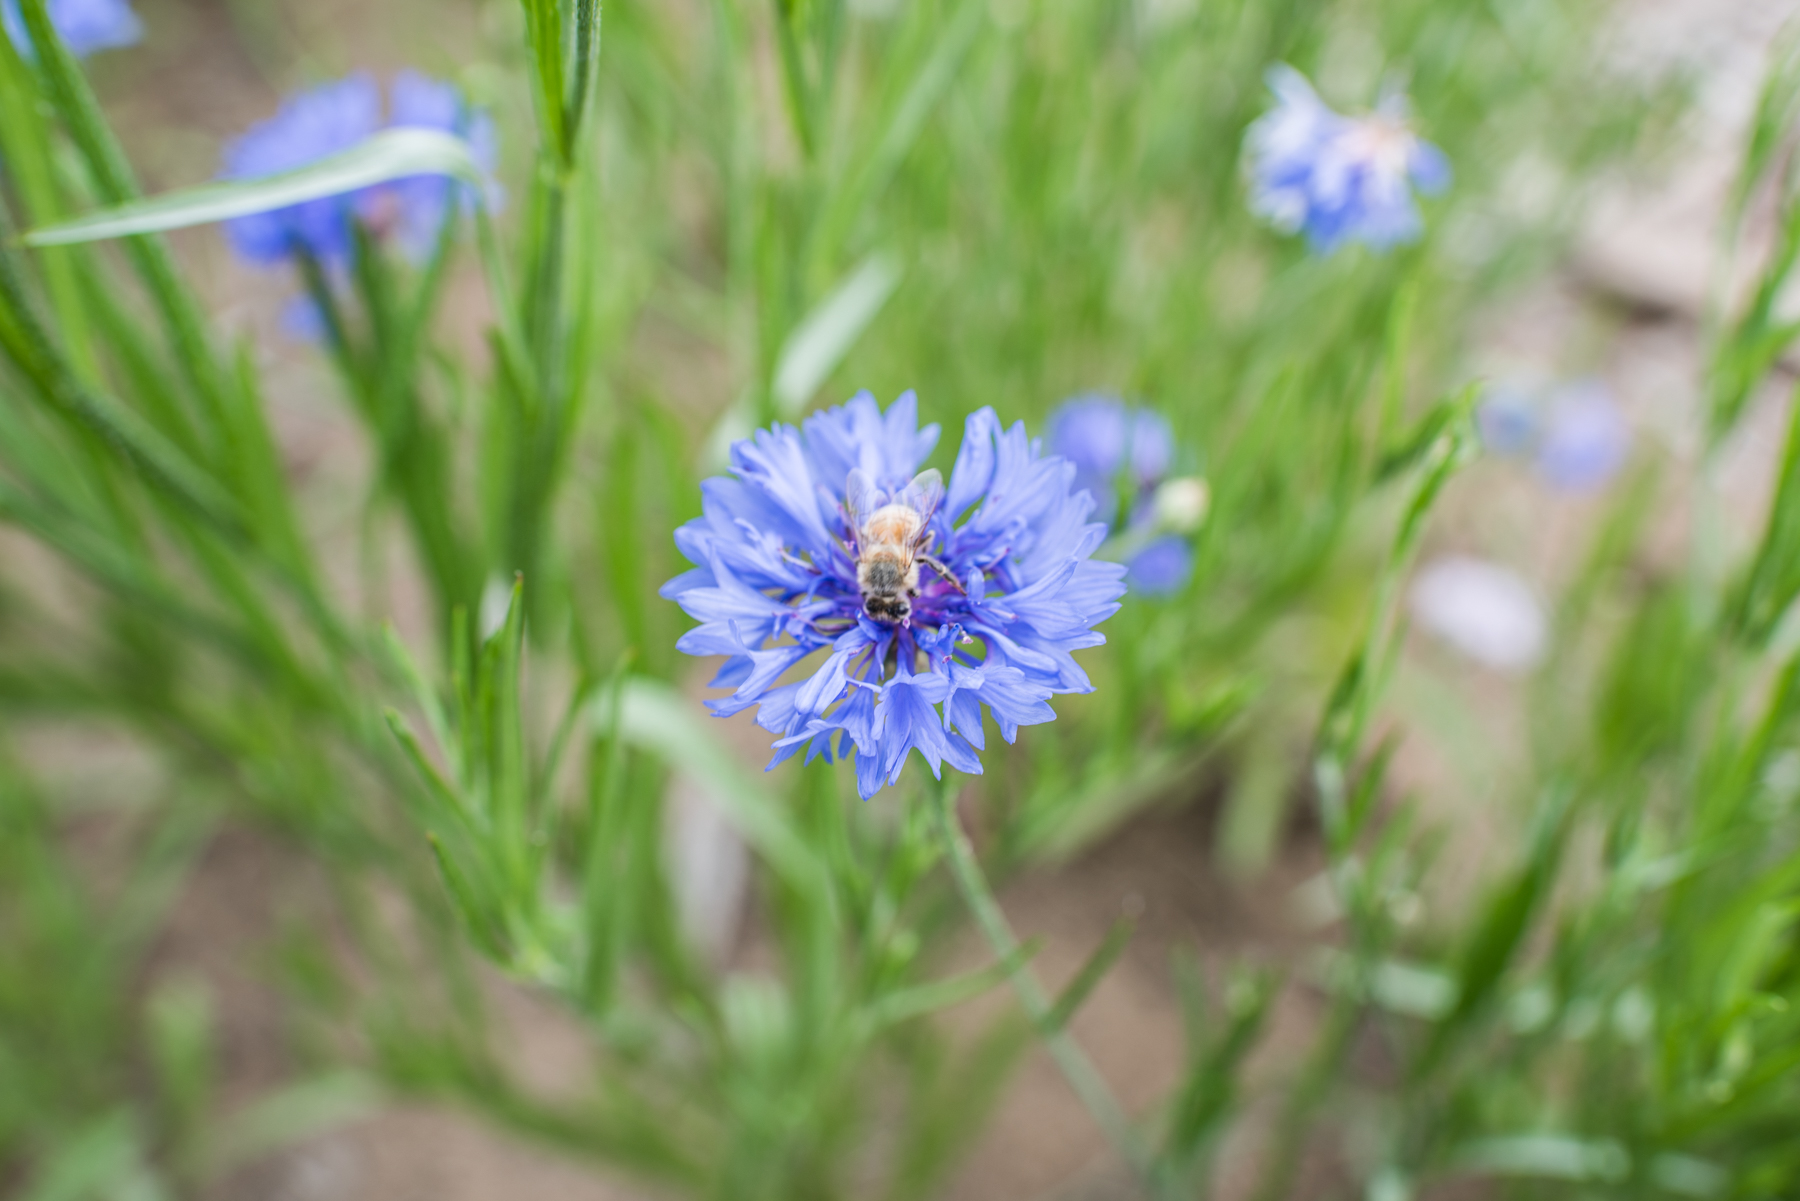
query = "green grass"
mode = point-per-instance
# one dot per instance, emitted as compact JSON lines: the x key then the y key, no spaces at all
{"x":994,"y":204}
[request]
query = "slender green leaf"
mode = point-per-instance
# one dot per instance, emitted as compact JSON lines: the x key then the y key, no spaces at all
{"x":1076,"y":992}
{"x":915,"y":1002}
{"x":387,"y":156}
{"x":658,"y":719}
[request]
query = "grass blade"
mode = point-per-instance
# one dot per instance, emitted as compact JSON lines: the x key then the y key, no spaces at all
{"x":390,"y":155}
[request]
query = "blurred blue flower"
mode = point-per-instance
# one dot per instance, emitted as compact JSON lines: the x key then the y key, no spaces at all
{"x":1104,"y":438}
{"x":85,"y":26}
{"x":1585,"y":439}
{"x":1339,"y":178}
{"x":1577,"y":436}
{"x":1507,"y":419}
{"x":420,"y":102}
{"x":331,"y":118}
{"x":776,"y":581}
{"x":311,"y":125}
{"x":1162,"y":567}
{"x":1124,"y":452}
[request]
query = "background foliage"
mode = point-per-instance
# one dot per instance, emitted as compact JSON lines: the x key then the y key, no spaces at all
{"x":723,"y":214}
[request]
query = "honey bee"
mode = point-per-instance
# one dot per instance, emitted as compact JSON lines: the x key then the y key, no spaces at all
{"x":891,"y":533}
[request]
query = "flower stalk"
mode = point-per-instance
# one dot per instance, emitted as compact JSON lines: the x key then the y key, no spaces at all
{"x":1088,"y":1085}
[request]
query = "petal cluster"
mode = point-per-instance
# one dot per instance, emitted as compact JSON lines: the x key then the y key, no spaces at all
{"x":331,"y":118}
{"x":1577,"y":437}
{"x":1339,"y":179}
{"x":1123,"y":456}
{"x":774,"y":584}
{"x":85,"y":26}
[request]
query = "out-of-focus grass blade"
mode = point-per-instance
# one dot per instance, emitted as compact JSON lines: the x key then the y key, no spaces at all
{"x":656,"y":718}
{"x":1399,"y":986}
{"x":1208,"y":1095}
{"x":387,"y":156}
{"x":104,"y":1158}
{"x":1688,"y":1176}
{"x":1501,"y":930}
{"x":1077,"y":991}
{"x":1777,"y":108}
{"x":820,"y":342}
{"x":1774,"y":576}
{"x":954,"y":1094}
{"x":291,"y":1114}
{"x":951,"y":44}
{"x":1546,"y":1156}
{"x":477,"y":915}
{"x":942,"y":994}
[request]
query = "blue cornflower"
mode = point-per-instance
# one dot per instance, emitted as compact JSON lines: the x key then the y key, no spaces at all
{"x":1339,"y":178}
{"x":333,"y":117}
{"x":788,"y":556}
{"x":1104,"y":439}
{"x":1586,"y":438}
{"x":1507,"y":419}
{"x":1123,"y":456}
{"x":1577,"y":437}
{"x":85,"y":26}
{"x":1162,"y":567}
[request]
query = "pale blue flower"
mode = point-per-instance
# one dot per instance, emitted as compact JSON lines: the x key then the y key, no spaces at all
{"x":1585,"y":439}
{"x":1577,"y":437}
{"x":85,"y":26}
{"x":1122,"y":454}
{"x":333,"y":117}
{"x":775,"y":584}
{"x":1105,"y":439}
{"x":1339,"y":179}
{"x":1507,"y":419}
{"x":1161,"y":568}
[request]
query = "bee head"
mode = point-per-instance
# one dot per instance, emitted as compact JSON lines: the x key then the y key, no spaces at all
{"x":891,"y":609}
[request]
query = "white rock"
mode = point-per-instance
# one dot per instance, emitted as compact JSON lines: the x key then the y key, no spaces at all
{"x":709,"y":868}
{"x":1483,"y":610}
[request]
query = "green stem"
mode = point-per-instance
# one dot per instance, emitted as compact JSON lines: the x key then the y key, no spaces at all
{"x":1073,"y":1062}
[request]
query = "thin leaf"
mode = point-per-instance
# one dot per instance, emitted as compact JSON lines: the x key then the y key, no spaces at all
{"x":820,"y":342}
{"x":387,"y":156}
{"x":910,"y":1003}
{"x":656,"y":718}
{"x":1076,"y":992}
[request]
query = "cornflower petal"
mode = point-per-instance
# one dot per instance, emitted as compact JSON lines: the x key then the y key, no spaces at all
{"x":1013,"y":700}
{"x":909,"y":722}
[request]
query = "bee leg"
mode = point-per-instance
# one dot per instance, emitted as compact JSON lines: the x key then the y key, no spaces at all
{"x":945,"y":573}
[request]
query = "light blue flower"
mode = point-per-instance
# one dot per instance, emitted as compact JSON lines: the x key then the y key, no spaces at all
{"x":1576,"y":437}
{"x":1507,"y":419}
{"x":1339,"y":179}
{"x":85,"y":26}
{"x":775,"y":583}
{"x":1122,"y":454}
{"x":311,"y":125}
{"x":1585,"y":439}
{"x":1161,"y":568}
{"x":333,"y":117}
{"x":1105,"y":439}
{"x":420,"y":102}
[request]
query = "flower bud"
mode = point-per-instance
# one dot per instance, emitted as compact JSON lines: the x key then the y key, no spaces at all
{"x":1181,"y":504}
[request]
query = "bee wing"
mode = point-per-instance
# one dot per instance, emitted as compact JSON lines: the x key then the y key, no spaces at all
{"x":924,"y":495}
{"x":861,"y":498}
